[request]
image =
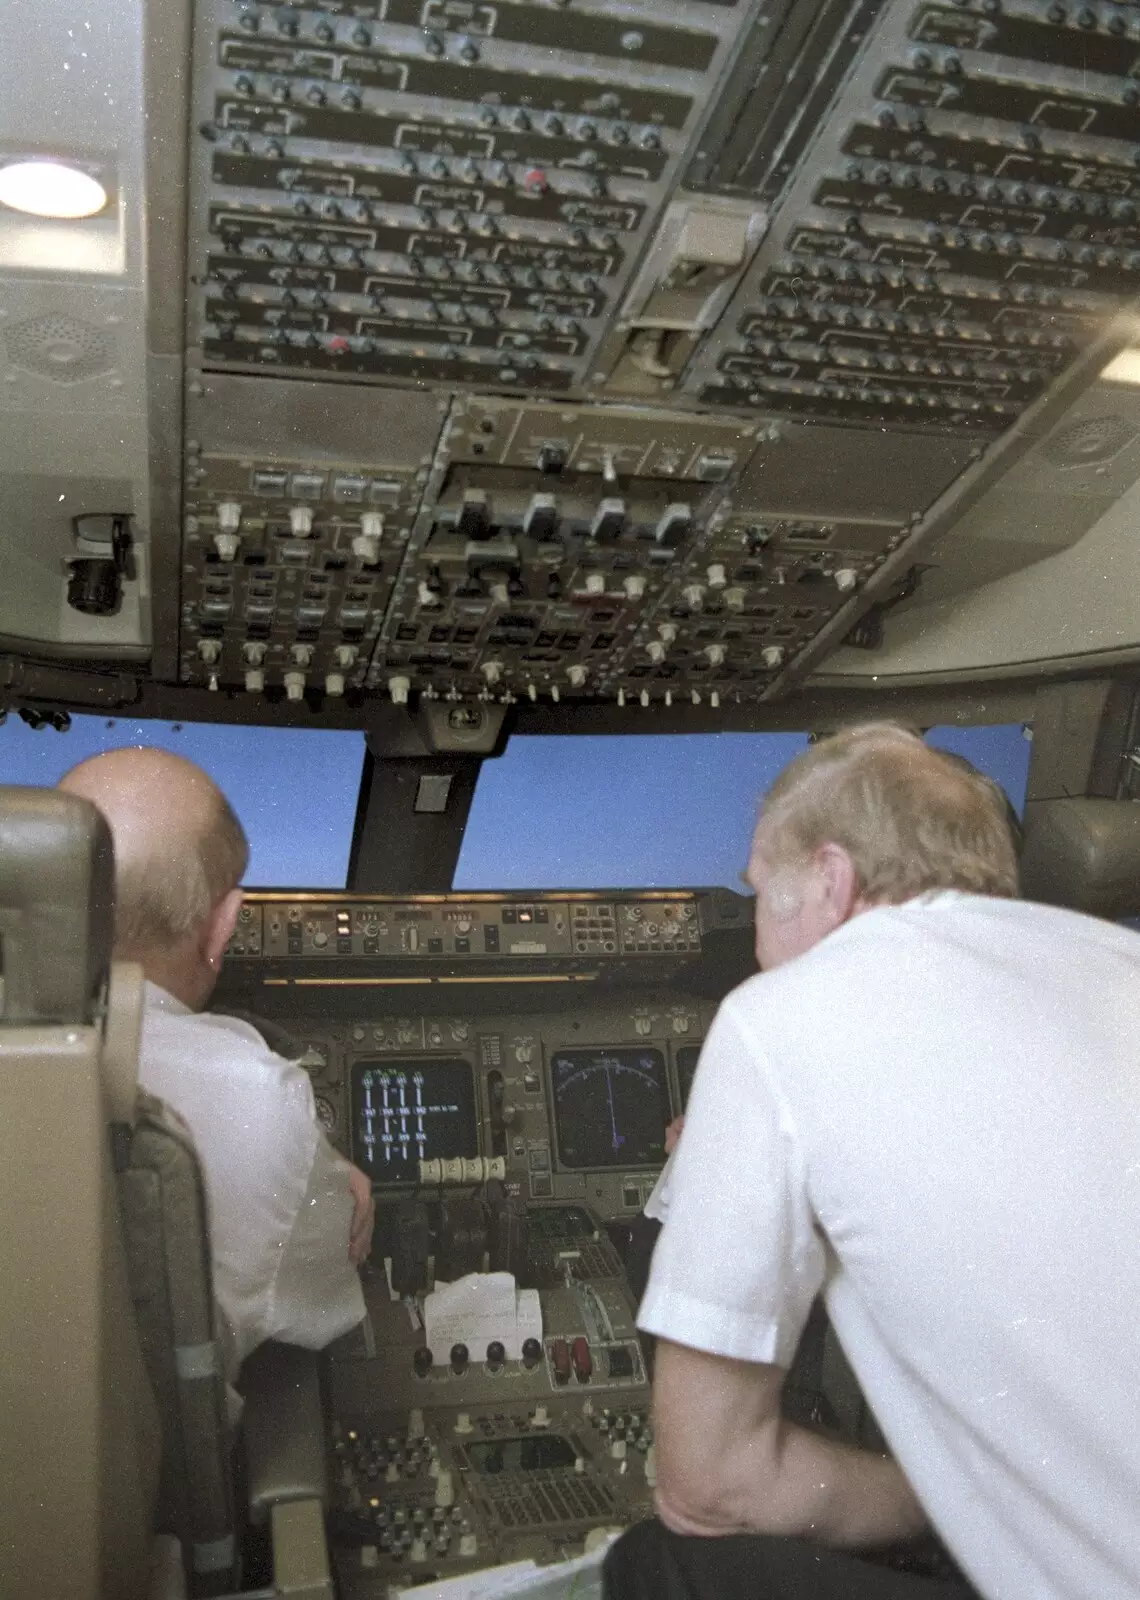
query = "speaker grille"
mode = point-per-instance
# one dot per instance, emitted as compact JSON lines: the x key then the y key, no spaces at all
{"x":1087,"y":443}
{"x":59,"y":347}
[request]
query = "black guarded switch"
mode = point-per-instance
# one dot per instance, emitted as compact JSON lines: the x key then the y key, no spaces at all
{"x":459,"y":1359}
{"x":496,"y":1355}
{"x":609,"y":520}
{"x":422,"y":1361}
{"x":474,"y":521}
{"x":531,"y":1353}
{"x":675,"y":525}
{"x":541,"y":519}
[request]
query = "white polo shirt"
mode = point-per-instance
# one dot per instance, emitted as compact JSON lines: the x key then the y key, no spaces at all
{"x":279,"y":1204}
{"x":934,"y":1115}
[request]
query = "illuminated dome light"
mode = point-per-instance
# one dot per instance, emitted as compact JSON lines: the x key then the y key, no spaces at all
{"x":1125,"y":368}
{"x":50,"y":189}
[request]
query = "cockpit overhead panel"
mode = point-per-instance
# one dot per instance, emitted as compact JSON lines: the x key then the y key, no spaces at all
{"x":602,"y":353}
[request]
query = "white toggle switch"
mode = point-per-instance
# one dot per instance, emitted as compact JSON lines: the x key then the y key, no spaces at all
{"x":772,"y":655}
{"x":634,"y":587}
{"x":651,"y":1466}
{"x":668,"y":631}
{"x":345,"y":655}
{"x":418,"y":1552}
{"x":734,"y":598}
{"x":226,"y":544}
{"x":541,"y":1418}
{"x":694,"y":594}
{"x":254,"y":681}
{"x":463,"y":1423}
{"x":595,"y":583}
{"x":366,"y":548}
{"x":655,"y":650}
{"x":398,"y":688}
{"x":845,"y":579}
{"x":253,"y":653}
{"x":209,"y":651}
{"x":301,"y":522}
{"x":468,"y":1545}
{"x":372,"y":524}
{"x":500,"y":594}
{"x":334,"y":684}
{"x":229,"y":516}
{"x":617,"y":1449}
{"x":444,"y":1489}
{"x":427,"y":597}
{"x":576,"y":675}
{"x":492,"y":670}
{"x":716,"y":576}
{"x":302,"y":655}
{"x":294,"y":685}
{"x":415,"y":1423}
{"x":715,"y":654}
{"x":643,"y":697}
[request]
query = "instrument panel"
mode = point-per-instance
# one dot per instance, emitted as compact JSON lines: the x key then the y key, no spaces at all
{"x":503,"y":1067}
{"x":555,"y":1034}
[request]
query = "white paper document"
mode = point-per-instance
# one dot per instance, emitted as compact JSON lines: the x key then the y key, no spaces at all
{"x":477,"y":1310}
{"x":580,"y":1579}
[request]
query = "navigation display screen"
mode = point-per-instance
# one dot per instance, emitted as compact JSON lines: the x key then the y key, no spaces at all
{"x":610,"y":1107}
{"x":405,"y":1112}
{"x":687,"y":1057}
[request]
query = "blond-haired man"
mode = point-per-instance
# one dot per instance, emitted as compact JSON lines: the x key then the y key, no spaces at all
{"x":290,"y":1220}
{"x":927,"y":1108}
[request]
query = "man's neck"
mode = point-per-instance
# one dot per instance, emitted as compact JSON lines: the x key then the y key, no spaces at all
{"x":174,"y":976}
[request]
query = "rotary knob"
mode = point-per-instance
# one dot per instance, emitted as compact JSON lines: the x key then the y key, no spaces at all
{"x":422,"y":1361}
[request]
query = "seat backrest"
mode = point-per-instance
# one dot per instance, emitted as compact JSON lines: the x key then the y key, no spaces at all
{"x":162,"y":1201}
{"x":79,"y":1439}
{"x":1083,"y":853}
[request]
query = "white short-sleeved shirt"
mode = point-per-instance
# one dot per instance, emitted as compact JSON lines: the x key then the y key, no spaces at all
{"x":934,"y":1115}
{"x":280,"y":1208}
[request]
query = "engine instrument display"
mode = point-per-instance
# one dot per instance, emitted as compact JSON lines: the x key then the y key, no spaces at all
{"x":405,"y":1112}
{"x":610,"y":1107}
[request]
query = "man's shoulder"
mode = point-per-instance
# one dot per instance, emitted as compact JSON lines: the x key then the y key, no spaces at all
{"x":207,"y":1039}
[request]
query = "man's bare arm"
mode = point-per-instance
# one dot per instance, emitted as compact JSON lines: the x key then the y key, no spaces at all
{"x":727,"y":1462}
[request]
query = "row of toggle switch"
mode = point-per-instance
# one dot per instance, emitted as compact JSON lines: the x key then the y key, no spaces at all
{"x":365,"y":544}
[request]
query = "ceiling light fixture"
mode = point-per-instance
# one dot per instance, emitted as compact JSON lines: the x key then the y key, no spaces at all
{"x":1124,"y":368}
{"x":50,"y":189}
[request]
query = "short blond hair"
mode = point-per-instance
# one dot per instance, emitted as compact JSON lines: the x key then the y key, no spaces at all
{"x":911,"y":818}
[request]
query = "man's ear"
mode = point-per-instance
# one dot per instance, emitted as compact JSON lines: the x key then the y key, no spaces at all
{"x":839,"y":883}
{"x":220,"y":927}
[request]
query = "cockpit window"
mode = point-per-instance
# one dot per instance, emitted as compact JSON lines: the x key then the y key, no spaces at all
{"x":294,"y":789}
{"x":652,"y":811}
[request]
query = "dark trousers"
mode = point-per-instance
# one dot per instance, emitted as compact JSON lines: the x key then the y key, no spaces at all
{"x":650,"y":1563}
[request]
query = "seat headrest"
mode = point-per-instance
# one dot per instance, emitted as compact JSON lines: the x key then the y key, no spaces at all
{"x":1083,"y":853}
{"x":56,"y":907}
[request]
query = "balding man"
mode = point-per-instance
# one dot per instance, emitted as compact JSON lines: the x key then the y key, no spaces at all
{"x":926,"y":1107}
{"x":290,"y":1220}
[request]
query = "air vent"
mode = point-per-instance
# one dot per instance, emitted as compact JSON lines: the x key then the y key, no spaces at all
{"x":1085,"y":444}
{"x":59,"y":347}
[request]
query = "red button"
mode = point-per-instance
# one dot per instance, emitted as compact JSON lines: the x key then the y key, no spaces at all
{"x":583,"y":1363}
{"x":560,"y":1360}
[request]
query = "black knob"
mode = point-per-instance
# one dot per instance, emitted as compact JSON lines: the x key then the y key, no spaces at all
{"x":459,"y":1358}
{"x":422,"y":1361}
{"x":531,"y":1353}
{"x":496,"y":1355}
